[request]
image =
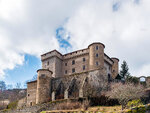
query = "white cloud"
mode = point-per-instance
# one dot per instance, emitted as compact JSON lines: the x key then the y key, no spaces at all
{"x":125,"y":32}
{"x":28,"y":27}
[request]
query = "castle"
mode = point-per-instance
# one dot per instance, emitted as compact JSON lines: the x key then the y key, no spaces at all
{"x":69,"y":75}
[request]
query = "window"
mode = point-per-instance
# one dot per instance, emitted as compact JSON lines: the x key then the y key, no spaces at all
{"x":73,"y":70}
{"x":43,"y":75}
{"x":97,"y":55}
{"x":84,"y":67}
{"x":48,"y":63}
{"x":73,"y":62}
{"x":65,"y":64}
{"x":97,"y":63}
{"x":96,"y":47}
{"x":109,"y":78}
{"x":83,"y":59}
{"x":28,"y":95}
{"x":65,"y":71}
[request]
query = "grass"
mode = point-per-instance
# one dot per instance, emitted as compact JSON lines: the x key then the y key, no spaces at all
{"x":102,"y":109}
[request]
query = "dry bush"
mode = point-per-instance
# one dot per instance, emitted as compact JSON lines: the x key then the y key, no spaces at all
{"x":73,"y":105}
{"x":85,"y":104}
{"x":125,"y":92}
{"x":68,"y":105}
{"x":3,"y":105}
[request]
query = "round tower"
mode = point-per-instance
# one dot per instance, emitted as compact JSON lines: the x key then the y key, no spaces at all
{"x":115,"y":67}
{"x":43,"y":85}
{"x":96,"y":56}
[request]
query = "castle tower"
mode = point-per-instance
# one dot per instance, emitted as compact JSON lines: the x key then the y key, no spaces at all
{"x":43,"y":85}
{"x":96,"y":56}
{"x":115,"y":67}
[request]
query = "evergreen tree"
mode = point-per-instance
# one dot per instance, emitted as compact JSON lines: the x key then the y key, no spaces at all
{"x":124,"y":70}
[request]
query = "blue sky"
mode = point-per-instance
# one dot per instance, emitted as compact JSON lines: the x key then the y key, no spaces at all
{"x":40,"y":26}
{"x":25,"y":72}
{"x":20,"y":74}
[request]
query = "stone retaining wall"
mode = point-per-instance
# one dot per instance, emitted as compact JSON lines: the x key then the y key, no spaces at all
{"x":40,"y":107}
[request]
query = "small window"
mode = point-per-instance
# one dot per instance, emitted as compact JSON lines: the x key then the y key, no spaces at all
{"x":96,"y":47}
{"x":65,"y":64}
{"x":109,"y":78}
{"x":83,"y":59}
{"x":65,"y":71}
{"x":73,"y":70}
{"x":84,"y":67}
{"x":28,"y":95}
{"x":73,"y":62}
{"x":48,"y":63}
{"x":43,"y":75}
{"x":97,"y":55}
{"x":30,"y":103}
{"x":97,"y":63}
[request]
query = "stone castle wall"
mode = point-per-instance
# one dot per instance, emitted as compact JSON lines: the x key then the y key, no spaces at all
{"x":74,"y":86}
{"x":94,"y":56}
{"x":79,"y":63}
{"x":115,"y":67}
{"x":31,"y":93}
{"x":43,"y":86}
{"x":91,"y":69}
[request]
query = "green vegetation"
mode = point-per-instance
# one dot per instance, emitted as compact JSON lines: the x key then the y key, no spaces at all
{"x":107,"y":109}
{"x":13,"y":105}
{"x":124,"y":70}
{"x":134,"y":103}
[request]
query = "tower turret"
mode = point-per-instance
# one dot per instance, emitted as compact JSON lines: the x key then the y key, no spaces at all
{"x":43,"y":85}
{"x":96,"y":56}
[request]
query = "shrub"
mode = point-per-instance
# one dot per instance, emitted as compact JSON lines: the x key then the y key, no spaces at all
{"x":85,"y":104}
{"x":134,"y":103}
{"x":68,"y":105}
{"x":126,"y":92}
{"x":103,"y":101}
{"x":13,"y":105}
{"x":139,"y":109}
{"x":148,"y":107}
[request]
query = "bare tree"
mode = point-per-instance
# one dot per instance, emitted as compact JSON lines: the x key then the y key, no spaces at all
{"x":95,"y":84}
{"x":18,"y":85}
{"x":125,"y":92}
{"x":2,"y":86}
{"x":2,"y":91}
{"x":10,"y":86}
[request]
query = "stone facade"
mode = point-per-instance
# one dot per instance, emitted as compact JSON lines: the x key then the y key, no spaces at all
{"x":31,"y":93}
{"x":71,"y":75}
